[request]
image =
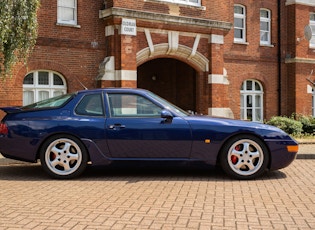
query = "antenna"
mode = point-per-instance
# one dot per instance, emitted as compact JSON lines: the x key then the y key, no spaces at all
{"x":84,"y":87}
{"x":309,"y":78}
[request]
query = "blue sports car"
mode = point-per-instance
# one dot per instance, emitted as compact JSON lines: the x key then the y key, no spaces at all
{"x":113,"y":124}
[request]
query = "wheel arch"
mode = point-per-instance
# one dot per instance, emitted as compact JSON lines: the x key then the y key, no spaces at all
{"x":227,"y":140}
{"x":58,"y":134}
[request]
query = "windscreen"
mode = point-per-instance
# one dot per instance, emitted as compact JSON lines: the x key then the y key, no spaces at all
{"x":169,"y":105}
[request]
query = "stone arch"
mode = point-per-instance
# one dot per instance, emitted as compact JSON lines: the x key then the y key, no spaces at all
{"x":183,"y":53}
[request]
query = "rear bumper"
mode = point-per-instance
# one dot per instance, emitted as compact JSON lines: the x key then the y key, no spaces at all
{"x":17,"y":149}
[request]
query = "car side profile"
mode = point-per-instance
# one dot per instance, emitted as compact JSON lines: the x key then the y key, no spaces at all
{"x":101,"y":126}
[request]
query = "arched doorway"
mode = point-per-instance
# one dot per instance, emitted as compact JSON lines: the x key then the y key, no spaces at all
{"x":171,"y":79}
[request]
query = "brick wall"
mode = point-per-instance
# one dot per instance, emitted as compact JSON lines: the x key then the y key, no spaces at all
{"x":299,"y":58}
{"x":253,"y":61}
{"x":76,"y":52}
{"x":73,"y":52}
{"x":216,"y":10}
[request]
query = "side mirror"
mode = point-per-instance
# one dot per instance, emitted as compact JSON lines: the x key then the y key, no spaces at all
{"x":167,"y":115}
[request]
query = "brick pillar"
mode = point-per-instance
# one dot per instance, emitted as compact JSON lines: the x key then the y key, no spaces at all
{"x":107,"y":69}
{"x":119,"y":67}
{"x":128,"y":68}
{"x":217,"y":79}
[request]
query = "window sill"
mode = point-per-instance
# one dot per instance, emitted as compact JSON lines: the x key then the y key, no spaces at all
{"x":241,"y":43}
{"x":68,"y":25}
{"x":177,"y":3}
{"x":267,"y":45}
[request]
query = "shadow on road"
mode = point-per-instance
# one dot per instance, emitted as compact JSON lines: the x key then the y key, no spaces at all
{"x":131,"y":172}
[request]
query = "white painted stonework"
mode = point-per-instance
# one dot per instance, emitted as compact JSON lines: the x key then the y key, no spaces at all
{"x":221,"y":112}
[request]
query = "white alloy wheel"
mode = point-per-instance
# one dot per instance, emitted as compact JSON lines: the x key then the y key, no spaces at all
{"x":63,"y":157}
{"x":244,"y":157}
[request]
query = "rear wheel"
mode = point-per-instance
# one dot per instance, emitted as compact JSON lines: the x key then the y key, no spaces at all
{"x":244,"y":157}
{"x":63,"y":156}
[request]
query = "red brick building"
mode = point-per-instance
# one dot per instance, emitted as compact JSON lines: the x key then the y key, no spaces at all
{"x":245,"y":59}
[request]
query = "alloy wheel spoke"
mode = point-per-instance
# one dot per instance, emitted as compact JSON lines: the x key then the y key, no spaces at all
{"x":236,"y":153}
{"x":246,"y":147}
{"x":66,"y":148}
{"x":66,"y":165}
{"x":239,"y":165}
{"x":250,"y":165}
{"x":72,"y":156}
{"x":55,"y":150}
{"x":255,"y":155}
{"x":55,"y":162}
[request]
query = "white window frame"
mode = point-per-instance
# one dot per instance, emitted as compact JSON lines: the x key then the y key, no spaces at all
{"x":60,"y":19}
{"x":37,"y":89}
{"x":185,"y":2}
{"x":312,"y":25}
{"x":255,"y":110}
{"x":268,"y":31}
{"x":243,"y":28}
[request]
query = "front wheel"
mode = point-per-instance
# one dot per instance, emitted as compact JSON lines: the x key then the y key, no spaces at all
{"x":63,"y":157}
{"x":244,"y":157}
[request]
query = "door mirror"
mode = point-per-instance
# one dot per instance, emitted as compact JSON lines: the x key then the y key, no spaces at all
{"x":166,"y":115}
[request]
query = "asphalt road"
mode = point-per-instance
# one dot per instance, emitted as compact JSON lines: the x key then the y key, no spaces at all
{"x":158,"y":197}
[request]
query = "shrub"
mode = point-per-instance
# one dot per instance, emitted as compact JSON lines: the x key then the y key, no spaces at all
{"x":288,"y":125}
{"x":307,"y":122}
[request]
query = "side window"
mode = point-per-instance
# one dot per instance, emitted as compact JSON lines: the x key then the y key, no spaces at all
{"x":265,"y":25}
{"x":239,"y":24}
{"x":90,"y":105}
{"x":67,"y":12}
{"x":131,"y":105}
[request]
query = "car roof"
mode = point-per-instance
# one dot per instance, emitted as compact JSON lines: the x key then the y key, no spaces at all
{"x":113,"y":89}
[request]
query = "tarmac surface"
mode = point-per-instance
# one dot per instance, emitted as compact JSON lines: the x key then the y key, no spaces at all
{"x":158,"y":197}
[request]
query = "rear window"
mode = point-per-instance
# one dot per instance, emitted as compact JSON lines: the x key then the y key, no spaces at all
{"x":53,"y":102}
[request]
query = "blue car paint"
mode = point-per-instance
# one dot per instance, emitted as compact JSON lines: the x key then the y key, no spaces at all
{"x":223,"y":129}
{"x":197,"y":138}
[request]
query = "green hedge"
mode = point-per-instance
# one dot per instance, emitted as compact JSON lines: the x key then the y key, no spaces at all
{"x":296,"y":125}
{"x":308,"y":123}
{"x":288,"y":125}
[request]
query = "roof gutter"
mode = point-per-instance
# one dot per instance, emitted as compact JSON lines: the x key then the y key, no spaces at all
{"x":279,"y":59}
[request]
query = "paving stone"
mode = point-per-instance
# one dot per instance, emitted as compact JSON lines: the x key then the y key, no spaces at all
{"x":158,"y":198}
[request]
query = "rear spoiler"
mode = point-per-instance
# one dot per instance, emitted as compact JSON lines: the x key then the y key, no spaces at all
{"x":11,"y":109}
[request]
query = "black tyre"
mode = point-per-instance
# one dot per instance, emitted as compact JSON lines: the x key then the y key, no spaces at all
{"x":244,"y":157}
{"x":63,"y":157}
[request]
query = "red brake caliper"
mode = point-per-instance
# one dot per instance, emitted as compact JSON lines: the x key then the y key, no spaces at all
{"x":52,"y":156}
{"x":234,"y":158}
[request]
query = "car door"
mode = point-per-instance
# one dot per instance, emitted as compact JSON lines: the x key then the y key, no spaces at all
{"x":135,"y":129}
{"x":90,"y":120}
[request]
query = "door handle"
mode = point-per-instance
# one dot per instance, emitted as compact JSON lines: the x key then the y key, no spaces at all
{"x":116,"y":126}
